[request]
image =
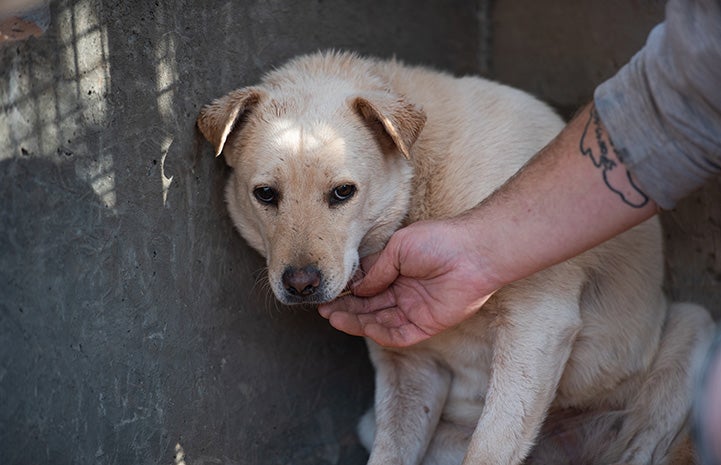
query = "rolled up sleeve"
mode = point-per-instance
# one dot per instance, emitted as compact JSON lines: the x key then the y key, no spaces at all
{"x":663,"y":109}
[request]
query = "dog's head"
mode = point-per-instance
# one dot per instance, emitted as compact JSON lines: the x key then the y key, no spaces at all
{"x":320,"y":177}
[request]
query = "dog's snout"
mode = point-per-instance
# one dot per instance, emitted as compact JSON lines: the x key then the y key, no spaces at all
{"x":301,"y":281}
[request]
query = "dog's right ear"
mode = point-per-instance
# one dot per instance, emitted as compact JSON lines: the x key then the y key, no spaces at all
{"x":218,"y":119}
{"x":401,"y":121}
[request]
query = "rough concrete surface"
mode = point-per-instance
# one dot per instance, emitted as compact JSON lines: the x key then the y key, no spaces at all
{"x":135,"y":327}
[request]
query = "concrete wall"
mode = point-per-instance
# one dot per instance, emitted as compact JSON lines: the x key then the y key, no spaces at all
{"x":133,"y":319}
{"x":135,"y":327}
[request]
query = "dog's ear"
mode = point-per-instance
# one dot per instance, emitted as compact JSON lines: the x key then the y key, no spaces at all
{"x":218,"y":119}
{"x":400,"y":120}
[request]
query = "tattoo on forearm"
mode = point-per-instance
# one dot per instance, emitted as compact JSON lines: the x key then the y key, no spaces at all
{"x":596,"y":144}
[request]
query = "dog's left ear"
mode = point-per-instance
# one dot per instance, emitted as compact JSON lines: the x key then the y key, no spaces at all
{"x":218,"y":119}
{"x":400,"y":120}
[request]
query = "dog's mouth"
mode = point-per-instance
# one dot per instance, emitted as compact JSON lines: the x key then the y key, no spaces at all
{"x":319,"y":295}
{"x":348,"y":289}
{"x":344,"y":293}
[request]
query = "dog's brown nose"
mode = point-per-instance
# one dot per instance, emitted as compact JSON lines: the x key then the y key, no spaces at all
{"x":301,"y":281}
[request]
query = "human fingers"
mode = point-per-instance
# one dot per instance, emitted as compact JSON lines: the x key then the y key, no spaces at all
{"x":357,"y":305}
{"x":388,"y":327}
{"x":368,"y":261}
{"x":381,"y":268}
{"x":347,"y":322}
{"x":401,"y":336}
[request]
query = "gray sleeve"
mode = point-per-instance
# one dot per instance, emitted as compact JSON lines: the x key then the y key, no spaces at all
{"x":663,"y":109}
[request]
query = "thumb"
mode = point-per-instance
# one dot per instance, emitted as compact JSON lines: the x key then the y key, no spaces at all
{"x":382,"y":269}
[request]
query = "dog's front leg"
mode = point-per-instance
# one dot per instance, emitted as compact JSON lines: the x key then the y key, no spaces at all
{"x":533,"y":340}
{"x":411,"y":389}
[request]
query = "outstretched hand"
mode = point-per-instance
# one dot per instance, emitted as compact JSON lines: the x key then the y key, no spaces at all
{"x":428,"y":278}
{"x":432,"y":275}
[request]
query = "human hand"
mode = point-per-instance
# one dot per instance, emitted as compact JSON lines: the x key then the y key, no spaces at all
{"x":434,"y":274}
{"x":428,"y":278}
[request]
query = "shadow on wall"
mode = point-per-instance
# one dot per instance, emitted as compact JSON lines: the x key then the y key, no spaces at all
{"x":693,"y":248}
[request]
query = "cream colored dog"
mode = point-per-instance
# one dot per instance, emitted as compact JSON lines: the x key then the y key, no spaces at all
{"x":582,"y":363}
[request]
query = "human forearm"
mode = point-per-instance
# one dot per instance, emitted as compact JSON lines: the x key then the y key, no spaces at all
{"x":572,"y":196}
{"x":664,"y":106}
{"x":433,"y":275}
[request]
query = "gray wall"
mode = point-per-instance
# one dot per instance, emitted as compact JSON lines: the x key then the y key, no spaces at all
{"x":135,"y":327}
{"x":133,"y":319}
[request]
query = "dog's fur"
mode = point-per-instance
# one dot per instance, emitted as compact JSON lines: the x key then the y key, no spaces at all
{"x":586,"y":361}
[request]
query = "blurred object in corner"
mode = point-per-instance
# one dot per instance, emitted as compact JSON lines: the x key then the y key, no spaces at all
{"x":21,"y":19}
{"x":707,"y":411}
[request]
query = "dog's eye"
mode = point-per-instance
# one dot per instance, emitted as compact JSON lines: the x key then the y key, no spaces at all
{"x":266,"y":194}
{"x":342,"y":193}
